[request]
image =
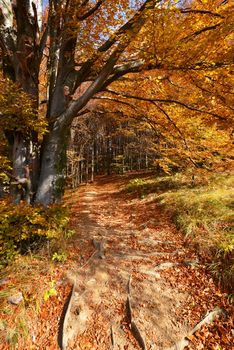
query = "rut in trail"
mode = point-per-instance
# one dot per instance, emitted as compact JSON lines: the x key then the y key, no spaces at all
{"x":123,"y":296}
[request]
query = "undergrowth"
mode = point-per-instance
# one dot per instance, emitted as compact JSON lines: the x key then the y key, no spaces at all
{"x":25,"y":229}
{"x":202,"y":207}
{"x":33,"y":243}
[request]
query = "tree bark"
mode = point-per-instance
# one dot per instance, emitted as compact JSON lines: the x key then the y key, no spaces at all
{"x":19,"y":161}
{"x":92,"y":163}
{"x":53,"y":166}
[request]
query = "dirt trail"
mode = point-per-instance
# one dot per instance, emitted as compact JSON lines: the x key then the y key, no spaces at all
{"x":146,"y":275}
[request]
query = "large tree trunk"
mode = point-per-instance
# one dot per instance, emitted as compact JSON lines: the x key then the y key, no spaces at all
{"x":53,"y":166}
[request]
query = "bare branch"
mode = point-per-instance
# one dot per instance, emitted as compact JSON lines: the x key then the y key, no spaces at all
{"x":203,"y":12}
{"x":177,"y":129}
{"x":167,"y":101}
{"x":90,"y":12}
{"x":84,"y":3}
{"x":203,"y":30}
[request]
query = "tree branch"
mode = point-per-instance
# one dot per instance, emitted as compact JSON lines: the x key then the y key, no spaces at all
{"x":169,"y":101}
{"x":84,"y":3}
{"x":140,"y":65}
{"x":130,"y":67}
{"x":136,"y":21}
{"x":178,"y":130}
{"x":76,"y":105}
{"x":203,"y":12}
{"x":203,"y":30}
{"x":91,"y":11}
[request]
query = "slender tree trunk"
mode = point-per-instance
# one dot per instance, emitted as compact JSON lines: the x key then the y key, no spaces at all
{"x":108,"y":156}
{"x":87,"y":167}
{"x":81,"y":170}
{"x":19,"y":161}
{"x":146,"y":161}
{"x":92,"y":164}
{"x":77,"y":182}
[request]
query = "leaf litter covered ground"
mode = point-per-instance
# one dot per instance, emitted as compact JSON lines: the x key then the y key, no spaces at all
{"x":135,"y":283}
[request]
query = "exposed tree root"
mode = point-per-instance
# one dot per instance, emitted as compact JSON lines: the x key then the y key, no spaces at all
{"x":99,"y":245}
{"x":68,"y":332}
{"x":209,"y":318}
{"x":71,"y":318}
{"x":112,"y":338}
{"x":133,"y":327}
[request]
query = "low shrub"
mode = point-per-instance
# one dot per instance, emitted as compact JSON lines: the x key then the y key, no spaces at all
{"x":24,"y":228}
{"x":137,"y":185}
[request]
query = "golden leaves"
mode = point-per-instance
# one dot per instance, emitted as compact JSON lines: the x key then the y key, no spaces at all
{"x":18,"y":109}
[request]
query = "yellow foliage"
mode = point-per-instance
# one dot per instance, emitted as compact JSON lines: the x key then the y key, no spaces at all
{"x":25,"y":228}
{"x":18,"y":109}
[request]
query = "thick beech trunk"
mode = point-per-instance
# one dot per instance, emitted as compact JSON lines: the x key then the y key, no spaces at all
{"x":53,"y":166}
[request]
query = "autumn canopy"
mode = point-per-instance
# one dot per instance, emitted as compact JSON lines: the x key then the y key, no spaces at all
{"x":162,"y":66}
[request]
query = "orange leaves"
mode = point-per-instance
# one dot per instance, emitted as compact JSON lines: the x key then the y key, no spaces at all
{"x":215,"y":336}
{"x":85,"y":344}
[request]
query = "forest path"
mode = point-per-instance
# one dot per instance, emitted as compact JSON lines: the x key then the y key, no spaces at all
{"x":136,"y":284}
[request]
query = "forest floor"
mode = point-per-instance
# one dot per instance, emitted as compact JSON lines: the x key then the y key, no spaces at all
{"x":135,"y":282}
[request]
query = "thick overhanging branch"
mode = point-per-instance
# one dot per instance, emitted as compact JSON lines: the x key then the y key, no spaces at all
{"x":99,"y":82}
{"x":76,"y":106}
{"x":84,"y":3}
{"x":130,"y":67}
{"x":141,"y":65}
{"x":105,"y":72}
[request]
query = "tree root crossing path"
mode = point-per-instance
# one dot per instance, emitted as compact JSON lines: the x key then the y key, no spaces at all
{"x":136,"y":283}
